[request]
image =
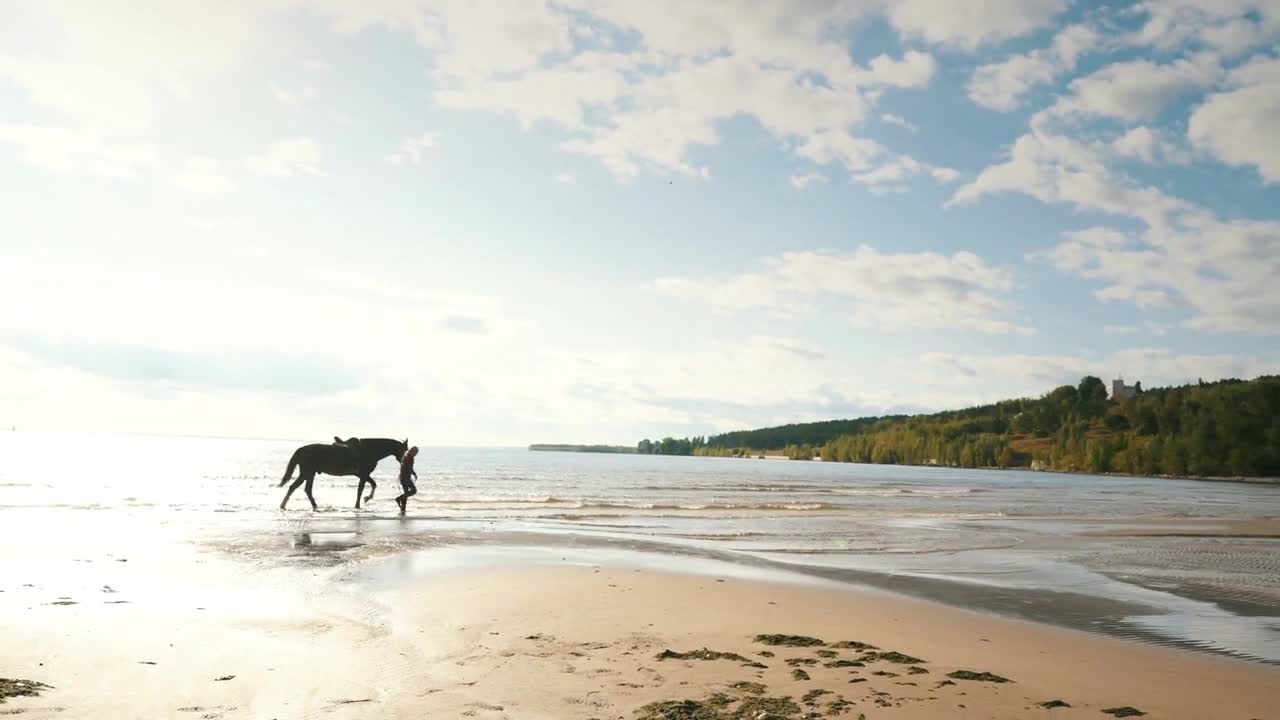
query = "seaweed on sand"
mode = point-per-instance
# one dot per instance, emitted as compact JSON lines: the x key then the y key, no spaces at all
{"x":801,"y":661}
{"x":839,"y":706}
{"x":1051,"y":704}
{"x":799,"y":674}
{"x":789,"y":640}
{"x":1125,"y":711}
{"x":892,"y":656}
{"x":827,"y":653}
{"x":844,"y":663}
{"x":854,"y":644}
{"x":765,"y":708}
{"x":753,"y":688}
{"x":721,"y":707}
{"x":701,"y":654}
{"x":681,"y":710}
{"x":811,"y":697}
{"x":20,"y":688}
{"x":978,"y":676}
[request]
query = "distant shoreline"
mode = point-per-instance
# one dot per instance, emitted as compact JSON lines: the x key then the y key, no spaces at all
{"x":774,"y":455}
{"x":602,"y":449}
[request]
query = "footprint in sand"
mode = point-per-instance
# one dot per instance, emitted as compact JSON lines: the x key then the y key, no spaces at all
{"x":655,"y":676}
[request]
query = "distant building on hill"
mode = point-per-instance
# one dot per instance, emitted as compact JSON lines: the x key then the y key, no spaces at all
{"x":1120,"y":391}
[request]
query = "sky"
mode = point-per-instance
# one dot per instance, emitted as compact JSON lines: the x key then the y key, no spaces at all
{"x":498,"y":223}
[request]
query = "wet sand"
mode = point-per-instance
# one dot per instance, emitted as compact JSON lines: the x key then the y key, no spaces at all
{"x":1265,"y":527}
{"x":557,"y":641}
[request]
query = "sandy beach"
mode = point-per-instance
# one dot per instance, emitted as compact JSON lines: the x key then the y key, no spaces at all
{"x":589,"y":642}
{"x":545,"y":585}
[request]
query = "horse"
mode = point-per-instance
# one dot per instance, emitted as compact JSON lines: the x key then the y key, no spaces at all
{"x":354,"y":457}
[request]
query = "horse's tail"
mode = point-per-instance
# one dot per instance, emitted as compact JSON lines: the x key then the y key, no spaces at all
{"x":293,"y":463}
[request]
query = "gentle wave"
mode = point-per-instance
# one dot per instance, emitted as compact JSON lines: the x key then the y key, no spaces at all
{"x":556,"y":503}
{"x":914,"y":492}
{"x":814,"y":490}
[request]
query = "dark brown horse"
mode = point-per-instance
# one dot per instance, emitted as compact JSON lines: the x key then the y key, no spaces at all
{"x":352,"y":457}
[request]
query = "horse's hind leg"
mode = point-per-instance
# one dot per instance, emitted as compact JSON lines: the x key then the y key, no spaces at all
{"x":359,"y":491}
{"x":296,"y":484}
{"x":372,"y":486}
{"x":311,"y":478}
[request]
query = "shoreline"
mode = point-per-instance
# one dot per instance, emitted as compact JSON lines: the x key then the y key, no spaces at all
{"x":1136,"y":613}
{"x":773,"y":455}
{"x":581,"y":641}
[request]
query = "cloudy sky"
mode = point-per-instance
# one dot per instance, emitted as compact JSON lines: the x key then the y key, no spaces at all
{"x":481,"y":222}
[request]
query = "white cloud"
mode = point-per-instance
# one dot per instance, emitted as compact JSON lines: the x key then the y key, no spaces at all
{"x":102,"y":98}
{"x":891,"y":292}
{"x":1137,"y":90}
{"x":1121,"y":330}
{"x":1221,"y":271}
{"x":667,"y":114}
{"x":854,"y":153}
{"x":565,"y":179}
{"x":970,"y":24}
{"x":1034,"y":374}
{"x":469,"y":39}
{"x":288,"y":157}
{"x":693,"y":66}
{"x":104,"y":67}
{"x":891,"y":119}
{"x":1239,"y":126}
{"x":944,"y":174}
{"x":1001,"y":86}
{"x":1151,"y":146}
{"x":1055,"y":168}
{"x":202,"y":175}
{"x":1227,"y":26}
{"x":892,"y":176}
{"x":294,"y":98}
{"x":412,"y":150}
{"x":154,"y":35}
{"x":802,"y":181}
{"x":75,"y":151}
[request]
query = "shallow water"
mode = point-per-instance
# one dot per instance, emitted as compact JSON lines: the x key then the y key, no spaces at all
{"x":1000,"y":534}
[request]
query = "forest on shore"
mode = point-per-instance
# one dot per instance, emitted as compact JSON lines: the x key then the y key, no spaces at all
{"x":1227,"y":428}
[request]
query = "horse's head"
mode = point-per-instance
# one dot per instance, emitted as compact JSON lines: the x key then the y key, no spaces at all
{"x":404,"y":448}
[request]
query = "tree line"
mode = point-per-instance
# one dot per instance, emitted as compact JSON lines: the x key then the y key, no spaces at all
{"x":1225,"y":428}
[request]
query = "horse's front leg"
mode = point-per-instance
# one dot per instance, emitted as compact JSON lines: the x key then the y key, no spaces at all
{"x":372,"y":486}
{"x":359,"y":491}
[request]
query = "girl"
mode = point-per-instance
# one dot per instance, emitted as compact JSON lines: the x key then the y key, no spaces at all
{"x":407,"y":476}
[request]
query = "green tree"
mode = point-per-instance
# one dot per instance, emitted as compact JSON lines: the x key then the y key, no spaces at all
{"x":1006,"y":457}
{"x":1174,"y":459}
